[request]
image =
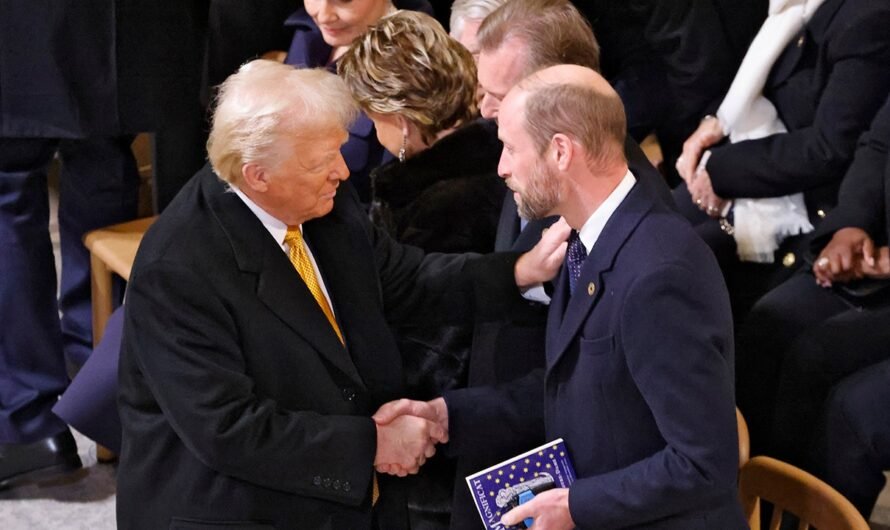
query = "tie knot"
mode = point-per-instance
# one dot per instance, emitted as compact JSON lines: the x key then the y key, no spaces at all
{"x":575,"y":256}
{"x":293,"y":236}
{"x":576,"y":249}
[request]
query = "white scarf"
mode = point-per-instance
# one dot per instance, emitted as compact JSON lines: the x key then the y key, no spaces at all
{"x":745,"y":114}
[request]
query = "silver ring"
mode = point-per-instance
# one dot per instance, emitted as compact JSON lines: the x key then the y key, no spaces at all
{"x":822,"y":262}
{"x":698,"y":202}
{"x":712,"y":209}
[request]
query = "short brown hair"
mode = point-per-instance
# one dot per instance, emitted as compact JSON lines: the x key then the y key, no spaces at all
{"x":590,"y":117}
{"x":406,"y":64}
{"x":554,"y":31}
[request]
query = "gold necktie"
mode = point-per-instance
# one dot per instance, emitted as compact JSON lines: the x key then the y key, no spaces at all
{"x":300,"y":260}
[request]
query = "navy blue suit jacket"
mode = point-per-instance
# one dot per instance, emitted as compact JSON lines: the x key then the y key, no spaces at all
{"x":638,"y":380}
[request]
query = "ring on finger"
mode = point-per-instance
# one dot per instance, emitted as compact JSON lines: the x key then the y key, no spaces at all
{"x":822,"y":262}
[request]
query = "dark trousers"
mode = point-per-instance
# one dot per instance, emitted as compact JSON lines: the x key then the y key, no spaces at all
{"x":99,"y":186}
{"x":853,"y":444}
{"x":797,"y":343}
{"x":747,"y":282}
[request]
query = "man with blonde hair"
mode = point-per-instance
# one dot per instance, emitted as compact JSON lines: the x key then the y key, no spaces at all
{"x":639,"y":345}
{"x":256,"y":339}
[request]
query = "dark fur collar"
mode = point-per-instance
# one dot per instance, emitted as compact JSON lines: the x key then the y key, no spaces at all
{"x":471,"y":151}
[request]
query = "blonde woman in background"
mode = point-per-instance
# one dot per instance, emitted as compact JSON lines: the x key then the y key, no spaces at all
{"x":443,"y":194}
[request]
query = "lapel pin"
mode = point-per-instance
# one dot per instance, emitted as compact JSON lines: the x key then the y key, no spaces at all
{"x":591,"y":288}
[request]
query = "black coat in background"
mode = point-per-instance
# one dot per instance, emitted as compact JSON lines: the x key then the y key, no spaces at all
{"x":801,"y":339}
{"x":446,"y":198}
{"x":672,"y":62}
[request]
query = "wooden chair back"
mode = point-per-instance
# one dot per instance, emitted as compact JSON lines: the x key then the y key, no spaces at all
{"x":744,"y":438}
{"x":793,"y":490}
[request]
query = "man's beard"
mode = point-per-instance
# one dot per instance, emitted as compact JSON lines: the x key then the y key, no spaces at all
{"x":541,"y":195}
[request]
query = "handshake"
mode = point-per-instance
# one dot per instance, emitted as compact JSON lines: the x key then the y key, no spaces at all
{"x":407,"y":434}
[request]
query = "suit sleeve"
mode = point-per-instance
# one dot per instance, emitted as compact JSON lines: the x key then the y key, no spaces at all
{"x":474,"y":414}
{"x":675,"y":328}
{"x":185,"y":343}
{"x":816,"y":155}
{"x":862,"y":194}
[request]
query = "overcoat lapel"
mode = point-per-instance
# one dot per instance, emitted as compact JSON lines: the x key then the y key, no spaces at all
{"x":786,"y":64}
{"x":278,"y":285}
{"x":563,"y":329}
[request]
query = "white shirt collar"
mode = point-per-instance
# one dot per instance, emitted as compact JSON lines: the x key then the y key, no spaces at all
{"x":275,"y":227}
{"x":594,"y":225}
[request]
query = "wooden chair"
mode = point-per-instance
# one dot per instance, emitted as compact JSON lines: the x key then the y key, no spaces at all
{"x":112,"y":251}
{"x":744,"y":438}
{"x":793,"y":490}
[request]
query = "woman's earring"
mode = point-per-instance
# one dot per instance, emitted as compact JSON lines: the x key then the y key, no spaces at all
{"x":402,"y":149}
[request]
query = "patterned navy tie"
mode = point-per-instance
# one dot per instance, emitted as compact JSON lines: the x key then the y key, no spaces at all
{"x":575,"y":256}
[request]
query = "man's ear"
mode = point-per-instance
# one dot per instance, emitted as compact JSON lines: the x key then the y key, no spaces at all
{"x":255,"y":177}
{"x":562,"y":151}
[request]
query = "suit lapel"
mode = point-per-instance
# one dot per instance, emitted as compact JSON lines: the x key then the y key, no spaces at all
{"x":278,"y":285}
{"x":562,"y":332}
{"x":787,"y":62}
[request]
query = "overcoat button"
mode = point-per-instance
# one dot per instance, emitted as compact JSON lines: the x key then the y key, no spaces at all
{"x":789,"y":260}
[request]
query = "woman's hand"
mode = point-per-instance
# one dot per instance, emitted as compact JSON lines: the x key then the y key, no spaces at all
{"x":702,"y":193}
{"x":709,"y":132}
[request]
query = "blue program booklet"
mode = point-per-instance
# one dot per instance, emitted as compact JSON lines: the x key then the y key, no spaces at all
{"x":497,"y":490}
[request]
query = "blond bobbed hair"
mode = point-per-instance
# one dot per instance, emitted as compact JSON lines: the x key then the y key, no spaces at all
{"x":267,"y":102}
{"x":407,"y":65}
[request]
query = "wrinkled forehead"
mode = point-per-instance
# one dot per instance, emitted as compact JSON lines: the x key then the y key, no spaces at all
{"x":503,"y":67}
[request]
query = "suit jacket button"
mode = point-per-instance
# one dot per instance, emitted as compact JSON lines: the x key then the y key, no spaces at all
{"x":316,"y":480}
{"x":591,"y":288}
{"x":789,"y":260}
{"x":348,"y":394}
{"x":346,"y":486}
{"x":327,"y":482}
{"x":336,"y":485}
{"x":821,"y":214}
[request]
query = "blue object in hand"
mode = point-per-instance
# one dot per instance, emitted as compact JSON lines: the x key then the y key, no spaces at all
{"x":524,"y":497}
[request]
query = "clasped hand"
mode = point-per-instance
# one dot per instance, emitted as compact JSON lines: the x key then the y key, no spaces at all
{"x":692,"y":171}
{"x":407,"y":434}
{"x":851,"y":255}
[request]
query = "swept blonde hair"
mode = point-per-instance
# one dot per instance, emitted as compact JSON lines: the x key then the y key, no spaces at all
{"x":406,"y":64}
{"x":265,"y":101}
